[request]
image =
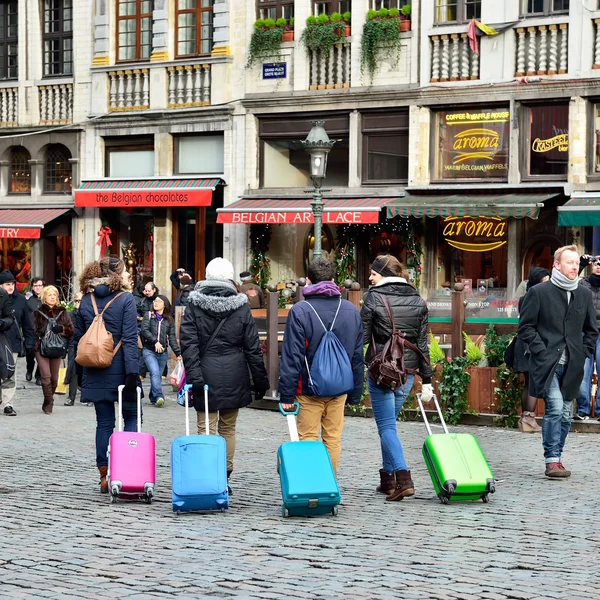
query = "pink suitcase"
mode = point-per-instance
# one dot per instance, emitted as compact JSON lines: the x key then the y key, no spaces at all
{"x":131,"y":459}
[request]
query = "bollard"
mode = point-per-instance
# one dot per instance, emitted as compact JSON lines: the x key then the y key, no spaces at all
{"x":273,"y":338}
{"x":354,"y":294}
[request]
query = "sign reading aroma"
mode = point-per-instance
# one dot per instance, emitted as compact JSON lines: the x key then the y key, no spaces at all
{"x":473,"y":144}
{"x":475,"y":234}
{"x":299,"y":217}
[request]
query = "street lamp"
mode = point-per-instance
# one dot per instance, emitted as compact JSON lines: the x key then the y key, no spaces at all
{"x":318,"y":145}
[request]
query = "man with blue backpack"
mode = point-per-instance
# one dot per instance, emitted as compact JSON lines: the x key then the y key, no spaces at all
{"x":322,"y":360}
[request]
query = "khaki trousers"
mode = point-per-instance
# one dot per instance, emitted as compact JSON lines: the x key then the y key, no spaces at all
{"x":327,"y":416}
{"x":9,"y":389}
{"x":222,"y":422}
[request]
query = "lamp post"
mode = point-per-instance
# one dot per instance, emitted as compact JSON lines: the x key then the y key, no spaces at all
{"x":318,"y":145}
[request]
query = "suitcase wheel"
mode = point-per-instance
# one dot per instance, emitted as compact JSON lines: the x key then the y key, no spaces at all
{"x":113,"y":499}
{"x":334,"y":511}
{"x":149,"y":496}
{"x":443,"y":499}
{"x":485,"y":498}
{"x":285,"y":512}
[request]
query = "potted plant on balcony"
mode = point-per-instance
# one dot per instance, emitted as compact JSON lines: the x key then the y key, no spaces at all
{"x":265,"y":41}
{"x":322,"y":34}
{"x":405,"y":11}
{"x":380,"y":38}
{"x":288,"y":29}
{"x":347,"y":16}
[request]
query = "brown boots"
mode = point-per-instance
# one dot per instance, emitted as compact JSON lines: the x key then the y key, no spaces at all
{"x":48,"y":404}
{"x":103,"y":482}
{"x":404,"y":486}
{"x":388,"y":482}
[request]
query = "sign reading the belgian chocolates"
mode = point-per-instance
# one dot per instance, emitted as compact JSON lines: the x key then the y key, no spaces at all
{"x":473,"y":144}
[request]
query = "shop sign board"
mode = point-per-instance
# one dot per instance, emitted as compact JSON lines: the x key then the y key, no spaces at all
{"x":24,"y":233}
{"x":475,"y":234}
{"x":142,"y":197}
{"x":549,"y":134}
{"x":473,"y":144}
{"x":299,"y":217}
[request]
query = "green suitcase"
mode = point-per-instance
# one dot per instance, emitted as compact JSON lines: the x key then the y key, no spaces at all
{"x":456,"y":464}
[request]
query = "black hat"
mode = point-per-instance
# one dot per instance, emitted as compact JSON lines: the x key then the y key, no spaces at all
{"x":536,"y":274}
{"x":245,"y":275}
{"x":7,"y":277}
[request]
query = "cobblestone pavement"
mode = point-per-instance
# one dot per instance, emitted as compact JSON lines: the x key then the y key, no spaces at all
{"x":59,"y":538}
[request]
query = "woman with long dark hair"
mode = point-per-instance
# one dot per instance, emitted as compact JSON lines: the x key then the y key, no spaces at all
{"x":158,"y":333}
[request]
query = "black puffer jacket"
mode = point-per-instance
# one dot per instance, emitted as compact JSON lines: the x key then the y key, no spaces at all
{"x":150,"y":334}
{"x":588,"y":282}
{"x":235,"y":353}
{"x":33,"y":301}
{"x":6,"y":311}
{"x":410,"y":316}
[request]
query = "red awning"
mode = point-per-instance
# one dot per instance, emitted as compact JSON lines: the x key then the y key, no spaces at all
{"x":155,"y":191}
{"x":337,"y":211}
{"x":27,"y":223}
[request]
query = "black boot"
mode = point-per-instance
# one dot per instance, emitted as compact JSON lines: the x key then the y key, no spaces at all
{"x":38,"y":380}
{"x":28,"y":376}
{"x":229,"y":490}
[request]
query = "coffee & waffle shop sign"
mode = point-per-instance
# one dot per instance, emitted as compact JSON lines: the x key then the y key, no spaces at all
{"x":475,"y":234}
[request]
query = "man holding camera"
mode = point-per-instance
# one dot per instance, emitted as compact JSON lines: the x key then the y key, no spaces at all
{"x":592,"y":283}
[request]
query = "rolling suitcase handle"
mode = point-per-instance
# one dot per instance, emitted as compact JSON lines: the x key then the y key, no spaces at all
{"x":291,"y":421}
{"x":439,"y":412}
{"x":121,"y":422}
{"x":186,"y":388}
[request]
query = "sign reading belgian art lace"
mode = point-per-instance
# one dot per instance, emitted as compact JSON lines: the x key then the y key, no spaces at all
{"x":473,"y":144}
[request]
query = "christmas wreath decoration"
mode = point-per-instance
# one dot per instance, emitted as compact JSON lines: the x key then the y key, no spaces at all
{"x":260,"y":264}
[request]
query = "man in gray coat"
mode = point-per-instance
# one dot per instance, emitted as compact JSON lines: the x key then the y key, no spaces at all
{"x":558,"y":323}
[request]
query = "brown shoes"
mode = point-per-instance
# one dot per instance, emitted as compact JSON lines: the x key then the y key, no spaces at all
{"x":404,"y":486}
{"x":103,"y":482}
{"x":528,"y":424}
{"x":556,"y":469}
{"x":388,"y":483}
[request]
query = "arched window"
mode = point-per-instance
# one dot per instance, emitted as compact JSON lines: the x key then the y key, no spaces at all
{"x":57,"y":170}
{"x":20,"y":171}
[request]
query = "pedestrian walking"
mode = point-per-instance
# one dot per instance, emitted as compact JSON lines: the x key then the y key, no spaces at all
{"x":107,"y":281}
{"x":20,"y":335}
{"x":256,"y":297}
{"x":158,"y":334}
{"x":71,"y":374}
{"x":221,"y":348}
{"x":33,"y":303}
{"x":558,"y":323}
{"x":50,"y":317}
{"x":520,"y":362}
{"x":592,"y":283}
{"x":307,"y":321}
{"x":391,"y":293}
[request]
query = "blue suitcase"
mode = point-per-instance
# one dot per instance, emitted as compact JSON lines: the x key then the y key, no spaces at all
{"x":308,"y":483}
{"x":199,"y":468}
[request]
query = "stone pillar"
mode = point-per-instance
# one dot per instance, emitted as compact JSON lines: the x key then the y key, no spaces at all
{"x":578,"y":141}
{"x":514,"y":167}
{"x":101,"y":35}
{"x":4,"y":177}
{"x":513,"y":278}
{"x":160,"y":31}
{"x":163,"y":155}
{"x":163,"y":251}
{"x":302,"y":10}
{"x":221,"y":28}
{"x":37,"y":177}
{"x":74,"y":172}
{"x":355,"y":163}
{"x":418,"y":141}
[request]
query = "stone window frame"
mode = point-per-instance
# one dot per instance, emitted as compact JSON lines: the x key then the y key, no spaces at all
{"x":199,"y":12}
{"x":138,"y":18}
{"x":461,"y":16}
{"x":328,"y":7}
{"x":547,"y":11}
{"x":59,"y":42}
{"x":9,"y":43}
{"x":377,"y":4}
{"x":281,"y":8}
{"x":126,"y":143}
{"x":57,"y":167}
{"x":19,"y":170}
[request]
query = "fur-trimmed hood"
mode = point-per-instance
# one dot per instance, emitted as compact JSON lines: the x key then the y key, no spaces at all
{"x":112,"y":282}
{"x":217,"y":297}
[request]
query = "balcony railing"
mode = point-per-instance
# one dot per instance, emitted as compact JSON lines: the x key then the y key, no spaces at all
{"x":596,"y":44}
{"x":543,"y":50}
{"x":56,"y":104}
{"x":452,"y":58}
{"x":129,"y":90}
{"x":189,"y":85}
{"x":333,"y":71}
{"x":9,"y":106}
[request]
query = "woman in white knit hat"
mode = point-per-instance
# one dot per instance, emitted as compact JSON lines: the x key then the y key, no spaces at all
{"x":232,"y":364}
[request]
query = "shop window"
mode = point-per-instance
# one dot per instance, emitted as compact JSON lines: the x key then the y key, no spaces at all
{"x":194,"y":27}
{"x":129,"y":157}
{"x":537,"y":8}
{"x":328,"y":7}
{"x":471,"y":144}
{"x":547,"y":141}
{"x":57,"y":170}
{"x":385,"y":148}
{"x":9,"y":40}
{"x":20,"y":171}
{"x":134,"y":29}
{"x":15,"y":256}
{"x":456,"y":11}
{"x":58,"y":37}
{"x":275,"y":9}
{"x":199,"y":154}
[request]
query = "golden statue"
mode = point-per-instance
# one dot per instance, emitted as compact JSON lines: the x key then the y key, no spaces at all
{"x":129,"y":259}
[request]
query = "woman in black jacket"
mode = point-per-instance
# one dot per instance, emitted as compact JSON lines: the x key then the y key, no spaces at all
{"x":158,"y":333}
{"x":410,"y":315}
{"x":227,"y":363}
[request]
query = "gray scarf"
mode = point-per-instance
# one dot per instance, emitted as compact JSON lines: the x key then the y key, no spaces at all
{"x":562,"y":282}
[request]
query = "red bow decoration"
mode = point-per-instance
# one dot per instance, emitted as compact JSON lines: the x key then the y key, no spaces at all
{"x":104,"y":240}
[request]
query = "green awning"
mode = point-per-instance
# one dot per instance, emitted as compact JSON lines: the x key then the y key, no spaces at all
{"x":581,"y":210}
{"x":515,"y":205}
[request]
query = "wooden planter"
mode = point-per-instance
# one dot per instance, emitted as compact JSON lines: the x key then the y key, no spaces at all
{"x":288,"y":36}
{"x":480,"y":392}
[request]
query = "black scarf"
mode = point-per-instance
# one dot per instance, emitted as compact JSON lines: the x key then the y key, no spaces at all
{"x":594,"y":280}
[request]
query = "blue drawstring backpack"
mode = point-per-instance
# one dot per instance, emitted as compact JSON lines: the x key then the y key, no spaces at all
{"x":330,"y":373}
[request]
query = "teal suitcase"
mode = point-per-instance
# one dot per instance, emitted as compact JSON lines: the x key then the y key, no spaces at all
{"x":457,"y":466}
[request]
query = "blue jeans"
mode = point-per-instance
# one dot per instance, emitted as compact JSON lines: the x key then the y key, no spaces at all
{"x":386,"y":408}
{"x":105,"y":425}
{"x":584,"y":402}
{"x":557,"y":419}
{"x":156,"y":364}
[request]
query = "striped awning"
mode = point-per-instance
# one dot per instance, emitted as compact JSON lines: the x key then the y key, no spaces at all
{"x":27,"y":223}
{"x":515,"y":205}
{"x":581,"y":210}
{"x":154,"y":191}
{"x":278,"y":211}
